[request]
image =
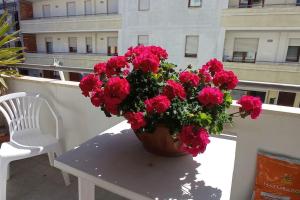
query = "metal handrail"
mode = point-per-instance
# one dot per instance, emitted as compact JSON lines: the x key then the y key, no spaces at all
{"x":243,"y":84}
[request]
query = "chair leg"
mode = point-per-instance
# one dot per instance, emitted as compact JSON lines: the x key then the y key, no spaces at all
{"x":65,"y":175}
{"x":51,"y":158}
{"x":8,"y":172}
{"x":3,"y":179}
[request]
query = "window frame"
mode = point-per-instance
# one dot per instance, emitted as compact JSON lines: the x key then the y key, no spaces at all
{"x":190,"y":55}
{"x":191,"y":6}
{"x":43,"y":9}
{"x":86,"y":44}
{"x":71,"y":2}
{"x":109,"y":49}
{"x":76,"y":48}
{"x":139,"y":6}
{"x":298,"y":55}
{"x":138,"y":40}
{"x":85,"y":7}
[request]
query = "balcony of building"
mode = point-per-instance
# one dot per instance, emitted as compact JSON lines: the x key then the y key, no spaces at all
{"x":82,"y":121}
{"x":63,"y":16}
{"x":261,"y":15}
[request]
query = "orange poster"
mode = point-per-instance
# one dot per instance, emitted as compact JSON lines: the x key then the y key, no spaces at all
{"x":278,"y":178}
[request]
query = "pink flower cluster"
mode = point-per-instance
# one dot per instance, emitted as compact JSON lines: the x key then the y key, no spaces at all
{"x":250,"y":106}
{"x":158,"y":104}
{"x":193,"y":139}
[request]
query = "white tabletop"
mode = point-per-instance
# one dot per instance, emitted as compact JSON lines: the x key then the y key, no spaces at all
{"x":115,"y":160}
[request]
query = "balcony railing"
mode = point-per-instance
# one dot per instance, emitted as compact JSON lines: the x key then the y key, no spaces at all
{"x":242,"y":83}
{"x":254,"y":60}
{"x":262,"y":4}
{"x":71,"y":16}
{"x":275,"y":131}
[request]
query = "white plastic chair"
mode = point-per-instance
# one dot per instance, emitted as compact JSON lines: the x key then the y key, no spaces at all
{"x":22,"y":112}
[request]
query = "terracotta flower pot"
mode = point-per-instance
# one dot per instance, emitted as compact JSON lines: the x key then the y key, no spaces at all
{"x":160,"y":142}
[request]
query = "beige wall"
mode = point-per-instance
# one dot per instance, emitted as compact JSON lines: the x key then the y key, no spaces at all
{"x":275,"y":73}
{"x":93,"y":23}
{"x":272,"y":18}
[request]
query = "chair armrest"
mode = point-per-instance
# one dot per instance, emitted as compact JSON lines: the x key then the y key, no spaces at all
{"x":57,"y":117}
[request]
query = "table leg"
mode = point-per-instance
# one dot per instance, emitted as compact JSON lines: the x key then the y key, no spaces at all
{"x":86,"y":189}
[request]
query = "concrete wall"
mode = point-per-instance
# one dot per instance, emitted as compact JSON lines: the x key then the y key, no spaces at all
{"x":275,"y":131}
{"x":272,"y":46}
{"x":168,"y":22}
{"x":61,"y":42}
{"x":81,"y":120}
{"x":59,"y":7}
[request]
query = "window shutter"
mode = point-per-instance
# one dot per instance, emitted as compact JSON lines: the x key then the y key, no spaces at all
{"x":88,"y":7}
{"x":246,"y":44}
{"x":73,"y":42}
{"x":294,"y":42}
{"x":46,"y":11}
{"x":192,"y":43}
{"x":71,"y":8}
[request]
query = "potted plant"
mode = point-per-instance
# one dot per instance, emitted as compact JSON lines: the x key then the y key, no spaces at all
{"x":171,"y":112}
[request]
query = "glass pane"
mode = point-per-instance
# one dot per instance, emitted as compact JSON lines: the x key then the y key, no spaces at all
{"x":89,"y":46}
{"x":293,"y":54}
{"x":72,"y":44}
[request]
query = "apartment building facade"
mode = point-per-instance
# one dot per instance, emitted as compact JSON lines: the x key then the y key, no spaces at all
{"x":262,"y":40}
{"x":257,"y":39}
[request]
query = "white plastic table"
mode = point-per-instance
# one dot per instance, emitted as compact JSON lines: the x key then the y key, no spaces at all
{"x":116,"y":161}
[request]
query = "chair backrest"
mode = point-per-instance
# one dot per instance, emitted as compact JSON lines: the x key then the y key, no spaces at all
{"x":21,"y":111}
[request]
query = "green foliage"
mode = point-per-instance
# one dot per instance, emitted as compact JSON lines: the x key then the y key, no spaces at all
{"x":8,"y":55}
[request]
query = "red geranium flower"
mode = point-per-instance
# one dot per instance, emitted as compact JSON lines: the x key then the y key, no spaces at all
{"x":89,"y":83}
{"x":100,"y":68}
{"x":136,"y":119}
{"x":115,"y":65}
{"x":97,"y":97}
{"x":250,"y":106}
{"x":159,"y":52}
{"x":189,"y":78}
{"x":116,"y":90}
{"x":193,"y":139}
{"x":225,"y":80}
{"x":158,"y":104}
{"x":214,"y":66}
{"x":205,"y":75}
{"x":174,"y":89}
{"x":210,"y":97}
{"x":147,"y":62}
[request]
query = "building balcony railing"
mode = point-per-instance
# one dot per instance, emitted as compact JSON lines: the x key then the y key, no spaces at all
{"x":262,"y":4}
{"x":69,"y":59}
{"x":275,"y":131}
{"x":81,"y":23}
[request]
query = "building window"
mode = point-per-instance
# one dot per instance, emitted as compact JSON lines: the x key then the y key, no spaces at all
{"x":191,"y":46}
{"x":88,"y":8}
{"x":195,"y":3}
{"x":293,"y":54}
{"x":237,"y":94}
{"x":143,"y":40}
{"x":46,"y":11}
{"x":112,"y":46}
{"x":49,"y":45}
{"x":286,"y":99}
{"x":72,"y":44}
{"x":89,"y":46}
{"x":71,"y":8}
{"x":245,"y":50}
{"x":144,"y":5}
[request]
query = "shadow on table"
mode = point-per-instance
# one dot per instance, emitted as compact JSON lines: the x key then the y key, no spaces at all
{"x":124,"y":162}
